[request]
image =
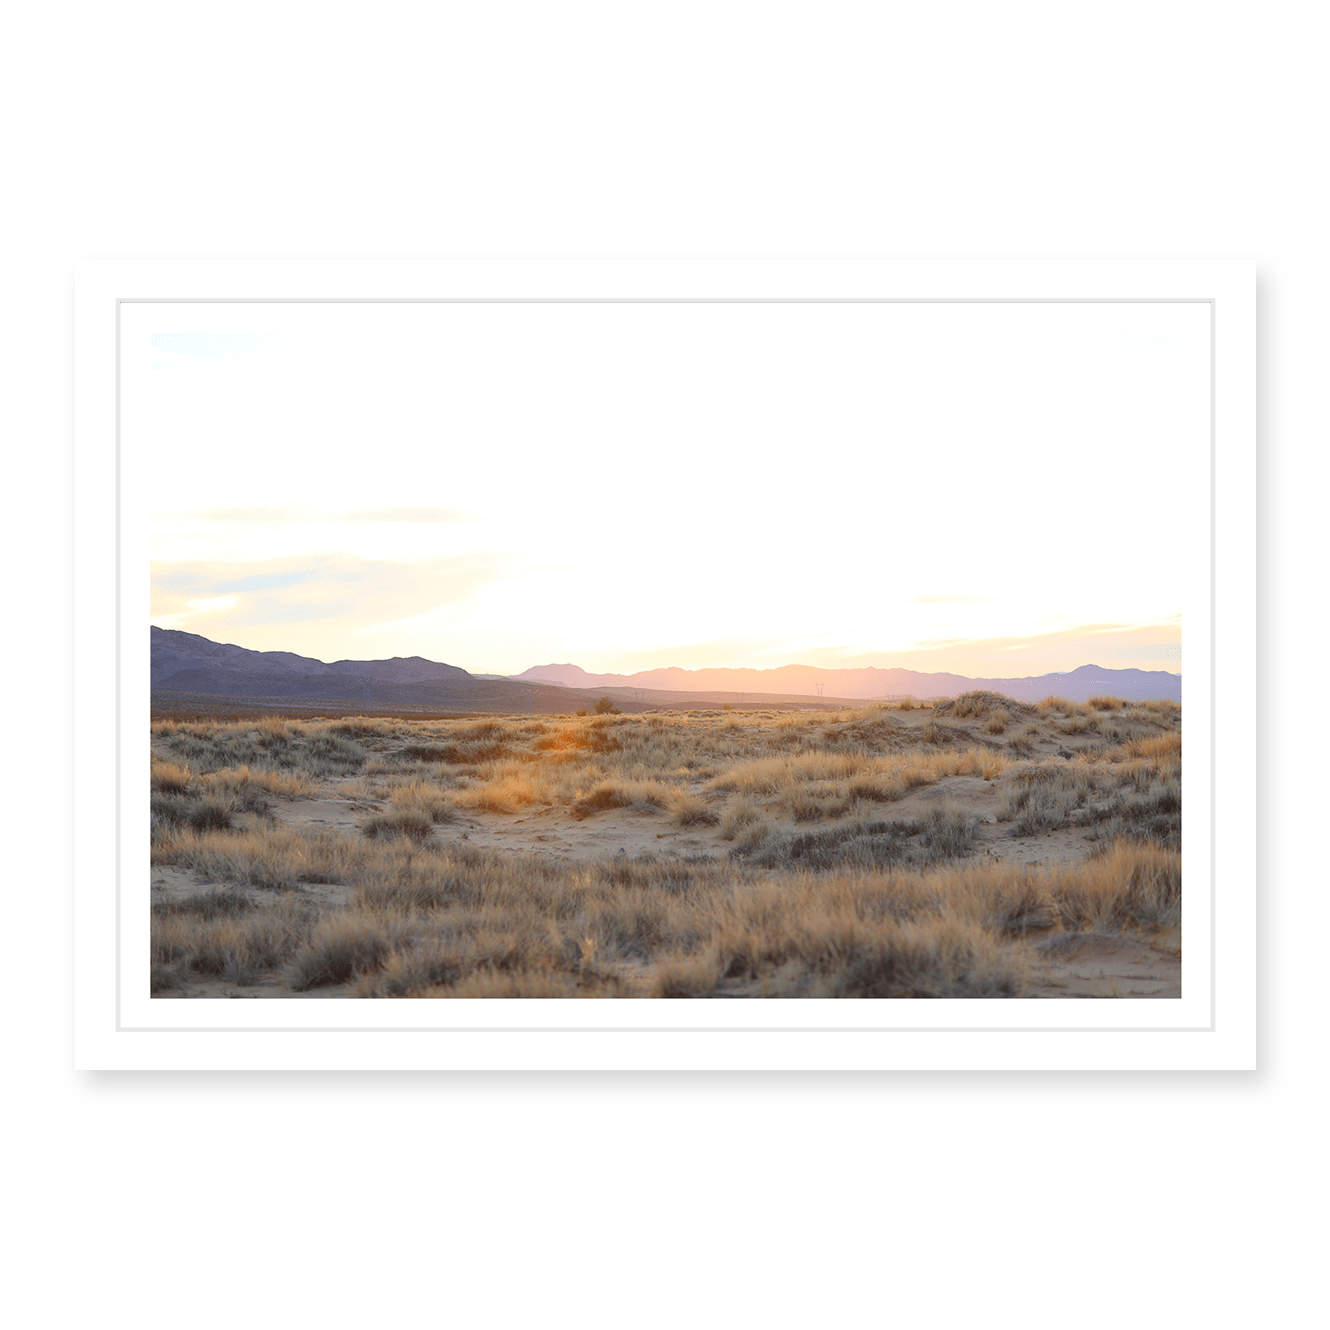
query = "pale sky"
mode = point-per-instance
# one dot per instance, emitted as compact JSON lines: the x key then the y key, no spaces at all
{"x":990,"y":489}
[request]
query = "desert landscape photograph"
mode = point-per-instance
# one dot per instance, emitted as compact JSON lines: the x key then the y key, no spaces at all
{"x":674,"y":650}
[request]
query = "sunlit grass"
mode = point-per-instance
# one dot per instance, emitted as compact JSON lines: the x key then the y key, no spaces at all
{"x":814,"y":882}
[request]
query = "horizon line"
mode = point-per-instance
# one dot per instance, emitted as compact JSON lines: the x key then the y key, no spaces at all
{"x":682,"y":669}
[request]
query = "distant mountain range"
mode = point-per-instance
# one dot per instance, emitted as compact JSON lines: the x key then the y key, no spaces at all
{"x":186,"y":665}
{"x":188,"y":669}
{"x":872,"y":683}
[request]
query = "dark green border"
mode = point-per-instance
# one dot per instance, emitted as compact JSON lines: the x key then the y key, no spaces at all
{"x":581,"y":128}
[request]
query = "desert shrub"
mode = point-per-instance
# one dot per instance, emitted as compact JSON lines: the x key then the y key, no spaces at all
{"x":980,"y":762}
{"x":236,"y":944}
{"x":1053,"y":704}
{"x":411,"y":974}
{"x":336,"y":753}
{"x":360,"y":728}
{"x":505,"y":792}
{"x":432,"y":752}
{"x":923,"y":960}
{"x":883,"y":789}
{"x":1153,"y":816}
{"x":472,"y":731}
{"x":942,"y":833}
{"x":1036,"y":808}
{"x":691,"y":811}
{"x":907,"y":704}
{"x":930,"y":733}
{"x":1129,"y":885}
{"x":415,"y":823}
{"x":695,"y":976}
{"x":740,"y":814}
{"x":168,"y":812}
{"x":643,"y":796}
{"x":605,"y":707}
{"x":342,"y":949}
{"x":806,"y":806}
{"x":215,"y":903}
{"x":1165,"y":749}
{"x":270,"y":858}
{"x":210,"y":815}
{"x":750,"y":836}
{"x":1105,"y":703}
{"x":948,"y":833}
{"x":425,"y":798}
{"x":247,"y":788}
{"x":171,"y":777}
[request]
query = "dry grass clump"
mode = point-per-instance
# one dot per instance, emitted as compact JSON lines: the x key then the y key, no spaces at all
{"x":740,"y":814}
{"x":1165,"y":750}
{"x":182,"y":797}
{"x":984,"y":762}
{"x":504,"y":793}
{"x":1131,"y":885}
{"x":1033,"y":809}
{"x":772,"y":775}
{"x":270,"y":858}
{"x":886,"y":787}
{"x":219,"y":935}
{"x":997,"y":723}
{"x":339,"y":950}
{"x":271,"y":744}
{"x":1045,"y":797}
{"x":691,"y":811}
{"x":941,"y":834}
{"x":248,"y":787}
{"x":361,"y":727}
{"x":171,"y":813}
{"x":640,"y":795}
{"x":411,"y":822}
{"x":1152,"y":815}
{"x":1098,"y":703}
{"x":835,"y":956}
{"x":1025,"y":740}
{"x":810,"y":804}
{"x":426,"y":795}
{"x":1054,"y":705}
{"x":1110,"y":726}
{"x":171,"y":777}
{"x":751,"y":836}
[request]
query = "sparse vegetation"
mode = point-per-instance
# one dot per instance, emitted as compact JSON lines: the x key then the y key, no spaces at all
{"x":847,"y":852}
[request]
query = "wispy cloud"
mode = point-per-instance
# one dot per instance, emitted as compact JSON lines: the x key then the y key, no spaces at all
{"x":287,"y":603}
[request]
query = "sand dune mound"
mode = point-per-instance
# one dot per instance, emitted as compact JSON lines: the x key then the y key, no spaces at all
{"x":981,"y":704}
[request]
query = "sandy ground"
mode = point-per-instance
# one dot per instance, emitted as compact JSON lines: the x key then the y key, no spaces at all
{"x":1066,"y":966}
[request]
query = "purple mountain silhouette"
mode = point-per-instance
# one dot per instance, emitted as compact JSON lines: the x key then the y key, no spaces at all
{"x":872,"y":683}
